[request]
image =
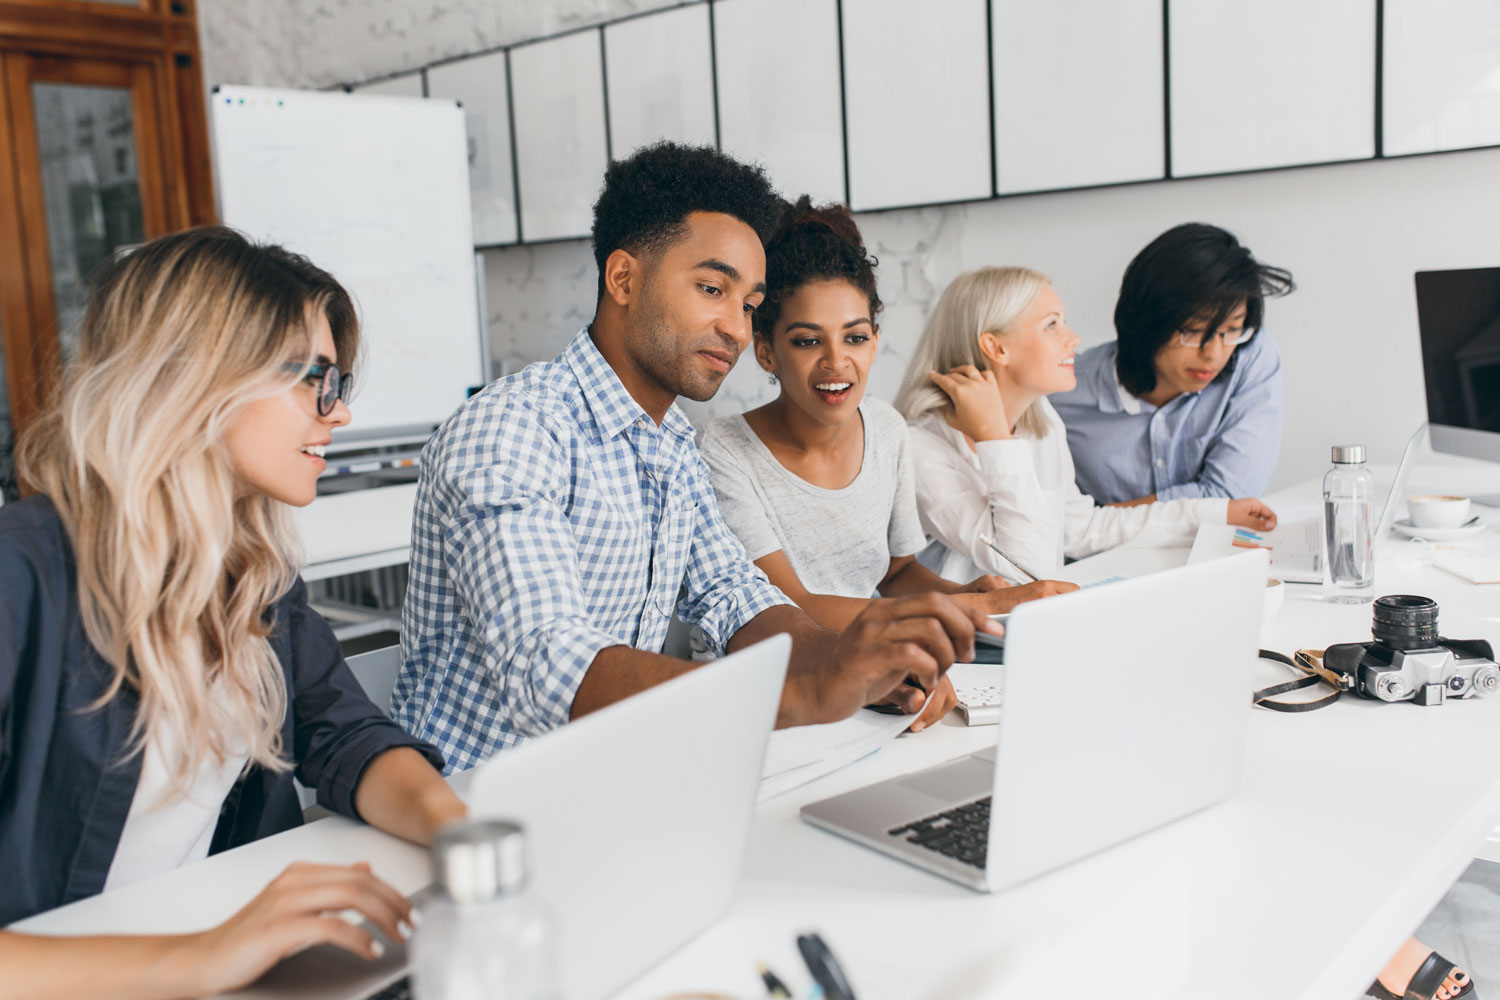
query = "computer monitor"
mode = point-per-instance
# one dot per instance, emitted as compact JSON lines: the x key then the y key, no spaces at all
{"x":1458,"y":313}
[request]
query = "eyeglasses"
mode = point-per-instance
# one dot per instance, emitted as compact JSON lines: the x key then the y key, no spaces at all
{"x":333,"y":385}
{"x":1195,"y":338}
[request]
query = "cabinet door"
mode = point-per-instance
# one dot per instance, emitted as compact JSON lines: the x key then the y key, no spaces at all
{"x":88,"y":169}
{"x":82,"y":175}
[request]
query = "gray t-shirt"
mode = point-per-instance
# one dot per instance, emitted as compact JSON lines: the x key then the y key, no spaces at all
{"x":838,"y":542}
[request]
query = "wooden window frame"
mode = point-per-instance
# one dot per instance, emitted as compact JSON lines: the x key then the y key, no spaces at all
{"x":157,"y":44}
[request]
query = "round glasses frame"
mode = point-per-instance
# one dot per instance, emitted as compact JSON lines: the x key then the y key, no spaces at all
{"x":333,"y":385}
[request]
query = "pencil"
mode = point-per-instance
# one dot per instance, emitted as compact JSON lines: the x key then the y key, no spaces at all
{"x":1030,"y":576}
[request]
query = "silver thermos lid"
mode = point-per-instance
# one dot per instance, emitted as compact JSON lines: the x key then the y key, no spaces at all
{"x":1349,"y":454}
{"x":480,"y":859}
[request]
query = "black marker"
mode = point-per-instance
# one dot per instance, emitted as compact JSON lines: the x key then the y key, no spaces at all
{"x":824,"y":967}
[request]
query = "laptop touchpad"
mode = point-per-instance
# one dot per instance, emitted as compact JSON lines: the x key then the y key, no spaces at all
{"x":963,"y":779}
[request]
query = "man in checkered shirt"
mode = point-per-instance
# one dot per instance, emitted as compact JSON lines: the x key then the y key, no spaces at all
{"x":563,"y":513}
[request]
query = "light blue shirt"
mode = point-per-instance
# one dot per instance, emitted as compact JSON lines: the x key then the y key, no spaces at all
{"x":1220,"y":442}
{"x":554,"y":518}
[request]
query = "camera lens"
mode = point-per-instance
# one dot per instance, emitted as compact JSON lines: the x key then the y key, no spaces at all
{"x":1403,"y":621}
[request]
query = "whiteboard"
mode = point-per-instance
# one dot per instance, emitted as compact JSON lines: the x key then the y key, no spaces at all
{"x":405,"y":85}
{"x":479,"y":85}
{"x":1442,"y":75}
{"x":374,"y":190}
{"x":1094,"y":116}
{"x":789,"y":121}
{"x":660,"y":80}
{"x":1273,"y":83}
{"x":916,"y":89}
{"x":559,"y":134}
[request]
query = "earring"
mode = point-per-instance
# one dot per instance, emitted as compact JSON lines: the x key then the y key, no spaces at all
{"x":773,"y":378}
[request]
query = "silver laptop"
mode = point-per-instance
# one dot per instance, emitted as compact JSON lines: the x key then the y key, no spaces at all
{"x":1297,"y":547}
{"x":636,"y":823}
{"x":1125,"y":708}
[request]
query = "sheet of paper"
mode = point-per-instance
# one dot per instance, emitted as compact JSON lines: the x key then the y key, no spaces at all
{"x":1470,"y":566}
{"x":798,"y":755}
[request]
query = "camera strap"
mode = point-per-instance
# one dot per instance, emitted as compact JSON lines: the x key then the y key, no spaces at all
{"x":1310,"y":663}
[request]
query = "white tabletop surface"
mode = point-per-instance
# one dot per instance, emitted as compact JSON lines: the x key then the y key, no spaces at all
{"x":1351,"y":823}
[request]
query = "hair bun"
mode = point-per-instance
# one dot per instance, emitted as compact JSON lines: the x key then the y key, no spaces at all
{"x":803,"y":216}
{"x":814,"y":243}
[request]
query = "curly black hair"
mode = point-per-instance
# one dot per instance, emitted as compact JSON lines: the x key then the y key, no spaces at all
{"x":814,"y":244}
{"x":646,"y":199}
{"x":1192,"y":271}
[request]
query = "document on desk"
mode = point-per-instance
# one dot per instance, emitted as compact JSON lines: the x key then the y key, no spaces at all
{"x":798,"y":755}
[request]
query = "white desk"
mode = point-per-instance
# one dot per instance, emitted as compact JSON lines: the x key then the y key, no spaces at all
{"x":1351,"y":823}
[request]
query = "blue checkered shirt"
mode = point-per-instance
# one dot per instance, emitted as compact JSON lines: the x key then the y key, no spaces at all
{"x":554,"y":518}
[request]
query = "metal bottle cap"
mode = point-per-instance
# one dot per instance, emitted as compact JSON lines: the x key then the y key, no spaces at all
{"x":479,"y":859}
{"x":1349,"y":454}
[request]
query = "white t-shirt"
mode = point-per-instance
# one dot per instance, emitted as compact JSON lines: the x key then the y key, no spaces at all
{"x":161,"y":835}
{"x":1021,"y":492}
{"x":839,"y":542}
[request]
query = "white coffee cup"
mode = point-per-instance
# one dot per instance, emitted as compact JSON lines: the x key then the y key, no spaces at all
{"x":1438,"y":510}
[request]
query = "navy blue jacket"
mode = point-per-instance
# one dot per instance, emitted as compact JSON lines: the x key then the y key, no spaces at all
{"x":66,"y":781}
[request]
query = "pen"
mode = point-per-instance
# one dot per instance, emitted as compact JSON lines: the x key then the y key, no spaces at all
{"x":774,"y":986}
{"x":824,"y":967}
{"x":1030,"y":576}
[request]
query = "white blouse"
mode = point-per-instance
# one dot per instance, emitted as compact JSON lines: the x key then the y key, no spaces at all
{"x":1021,"y":492}
{"x":164,"y":833}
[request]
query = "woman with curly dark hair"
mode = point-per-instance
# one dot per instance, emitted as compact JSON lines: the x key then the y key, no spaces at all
{"x":817,"y":484}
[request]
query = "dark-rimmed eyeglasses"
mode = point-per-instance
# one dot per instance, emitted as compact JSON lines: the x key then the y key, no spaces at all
{"x":1195,"y":338}
{"x":332,"y":384}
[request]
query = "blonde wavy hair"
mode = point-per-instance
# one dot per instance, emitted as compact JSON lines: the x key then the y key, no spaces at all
{"x":177,"y":565}
{"x":987,"y":300}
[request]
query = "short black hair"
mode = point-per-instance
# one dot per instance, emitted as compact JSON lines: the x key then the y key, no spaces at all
{"x":814,"y":244}
{"x":647,"y":197}
{"x":1192,"y":271}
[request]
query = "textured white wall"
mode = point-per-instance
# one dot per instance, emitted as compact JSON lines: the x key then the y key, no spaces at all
{"x":316,"y":43}
{"x":1352,"y":235}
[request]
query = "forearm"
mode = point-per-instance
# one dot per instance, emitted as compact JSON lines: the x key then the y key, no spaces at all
{"x":129,"y":968}
{"x":832,"y":611}
{"x":1012,"y":511}
{"x":914,"y":578}
{"x":401,"y":793}
{"x":617,"y":672}
{"x":813,"y":650}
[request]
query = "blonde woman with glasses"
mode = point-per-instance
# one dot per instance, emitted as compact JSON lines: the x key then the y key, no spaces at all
{"x":162,"y":677}
{"x":993,"y":471}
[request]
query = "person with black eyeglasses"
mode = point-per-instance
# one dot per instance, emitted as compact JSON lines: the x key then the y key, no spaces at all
{"x":1187,"y":401}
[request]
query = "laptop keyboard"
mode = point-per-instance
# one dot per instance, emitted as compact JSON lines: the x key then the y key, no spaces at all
{"x":399,"y":990}
{"x":962,"y":834}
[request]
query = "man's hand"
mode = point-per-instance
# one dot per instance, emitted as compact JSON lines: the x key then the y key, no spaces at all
{"x":940,"y":704}
{"x":1251,"y":514}
{"x":892,"y":639}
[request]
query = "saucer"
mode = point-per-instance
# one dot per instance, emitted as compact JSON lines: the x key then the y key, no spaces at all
{"x":1468,"y":529}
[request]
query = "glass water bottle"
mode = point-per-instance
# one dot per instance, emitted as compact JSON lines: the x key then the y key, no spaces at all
{"x":1348,"y":549}
{"x":485,"y":936}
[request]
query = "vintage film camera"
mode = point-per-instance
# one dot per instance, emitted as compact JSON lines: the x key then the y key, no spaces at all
{"x":1410,"y":661}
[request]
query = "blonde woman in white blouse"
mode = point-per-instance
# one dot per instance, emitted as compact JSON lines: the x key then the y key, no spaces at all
{"x":990,"y":453}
